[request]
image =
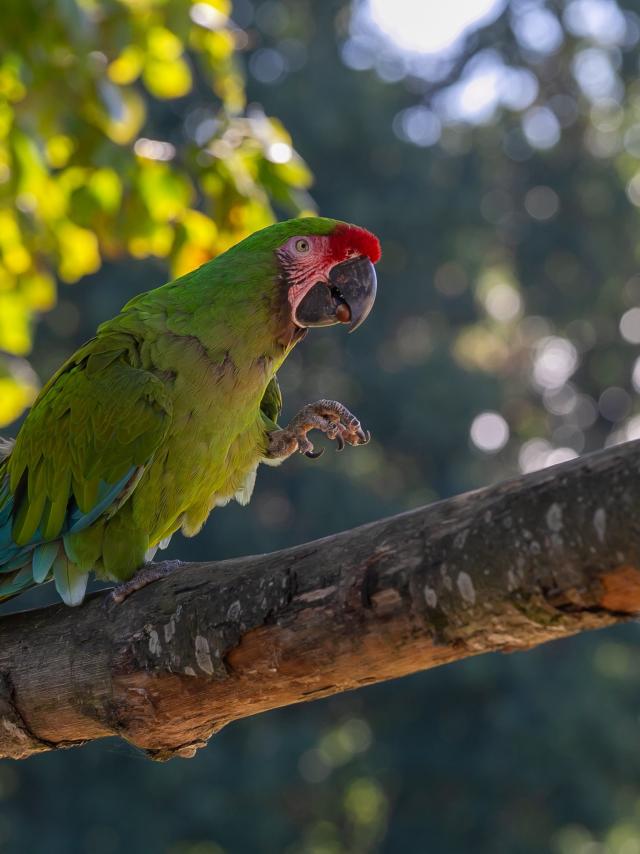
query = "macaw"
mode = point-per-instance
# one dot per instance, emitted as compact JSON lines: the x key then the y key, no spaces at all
{"x":168,"y":411}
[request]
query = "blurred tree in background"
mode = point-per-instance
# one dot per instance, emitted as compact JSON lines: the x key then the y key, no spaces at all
{"x":494,"y":146}
{"x":85,"y":87}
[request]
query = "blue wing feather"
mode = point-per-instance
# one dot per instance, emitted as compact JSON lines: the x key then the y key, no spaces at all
{"x":107,"y":495}
{"x":16,"y":583}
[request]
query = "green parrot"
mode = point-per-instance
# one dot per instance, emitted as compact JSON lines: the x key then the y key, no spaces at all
{"x":168,"y":411}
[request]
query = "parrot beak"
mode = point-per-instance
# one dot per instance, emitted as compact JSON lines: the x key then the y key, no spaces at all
{"x":347,"y":297}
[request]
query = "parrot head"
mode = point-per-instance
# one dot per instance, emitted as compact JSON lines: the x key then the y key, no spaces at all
{"x":324,"y":271}
{"x":330,"y":277}
{"x":320,"y":273}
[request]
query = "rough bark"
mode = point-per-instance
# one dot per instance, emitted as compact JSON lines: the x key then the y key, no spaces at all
{"x":504,"y":568}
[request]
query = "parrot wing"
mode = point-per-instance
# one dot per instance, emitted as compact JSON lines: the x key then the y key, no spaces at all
{"x":271,"y":404}
{"x":79,"y":454}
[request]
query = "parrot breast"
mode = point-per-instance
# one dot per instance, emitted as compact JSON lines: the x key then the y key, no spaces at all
{"x":212,"y":448}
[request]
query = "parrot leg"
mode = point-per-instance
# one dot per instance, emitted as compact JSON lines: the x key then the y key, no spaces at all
{"x":147,"y":575}
{"x":329,"y":416}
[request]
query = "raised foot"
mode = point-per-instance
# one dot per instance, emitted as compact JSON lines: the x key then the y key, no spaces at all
{"x":329,"y":416}
{"x":147,"y":575}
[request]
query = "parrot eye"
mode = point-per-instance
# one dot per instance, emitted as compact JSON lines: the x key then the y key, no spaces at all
{"x":302,"y":246}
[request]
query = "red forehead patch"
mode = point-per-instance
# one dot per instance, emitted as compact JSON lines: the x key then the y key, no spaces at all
{"x":349,"y":240}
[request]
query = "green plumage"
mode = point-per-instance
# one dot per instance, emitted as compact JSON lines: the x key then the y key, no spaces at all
{"x":155,"y":421}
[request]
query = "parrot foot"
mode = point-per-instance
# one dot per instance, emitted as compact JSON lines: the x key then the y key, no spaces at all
{"x":329,"y":416}
{"x":147,"y":575}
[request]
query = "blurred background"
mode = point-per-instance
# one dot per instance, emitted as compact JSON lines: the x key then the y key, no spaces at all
{"x":494,"y":147}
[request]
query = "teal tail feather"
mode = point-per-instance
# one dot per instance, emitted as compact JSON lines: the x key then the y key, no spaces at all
{"x":23,"y":567}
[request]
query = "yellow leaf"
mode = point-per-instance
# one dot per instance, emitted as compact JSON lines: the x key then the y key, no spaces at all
{"x":15,"y":397}
{"x":200,"y":229}
{"x":106,"y":187}
{"x":156,"y":240}
{"x":123,"y":117}
{"x":72,"y":178}
{"x":52,"y":200}
{"x":14,"y":324}
{"x":167,"y":79}
{"x":16,"y":259}
{"x":161,"y":241}
{"x":165,"y":193}
{"x":139,"y":247}
{"x":188,"y":258}
{"x":219,"y":44}
{"x":163,"y":44}
{"x":127,"y":67}
{"x":295,"y":173}
{"x":39,"y":290}
{"x":78,"y":252}
{"x":9,"y":231}
{"x":58,"y":150}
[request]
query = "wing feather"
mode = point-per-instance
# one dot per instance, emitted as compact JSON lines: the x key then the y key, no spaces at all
{"x":88,"y":437}
{"x":271,"y":404}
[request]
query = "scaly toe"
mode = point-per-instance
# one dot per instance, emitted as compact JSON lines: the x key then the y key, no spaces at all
{"x":355,"y":437}
{"x":304,"y":445}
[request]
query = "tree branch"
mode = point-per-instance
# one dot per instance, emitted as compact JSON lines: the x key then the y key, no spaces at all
{"x":504,"y":568}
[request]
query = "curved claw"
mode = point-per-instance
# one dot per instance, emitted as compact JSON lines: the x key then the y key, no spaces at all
{"x":366,"y":437}
{"x":339,"y":443}
{"x":313,"y":455}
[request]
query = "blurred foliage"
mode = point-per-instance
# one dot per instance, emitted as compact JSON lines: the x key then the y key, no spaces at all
{"x":83,"y":174}
{"x":501,"y":176}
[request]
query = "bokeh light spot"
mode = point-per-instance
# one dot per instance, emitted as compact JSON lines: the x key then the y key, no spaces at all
{"x":555,"y":361}
{"x":537,"y":29}
{"x":489,"y":432}
{"x":425,"y":27}
{"x":541,"y":127}
{"x":630,"y":326}
{"x":268,"y":65}
{"x":541,"y":202}
{"x":418,"y":125}
{"x":614,"y":403}
{"x":503,"y":302}
{"x":279,"y":152}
